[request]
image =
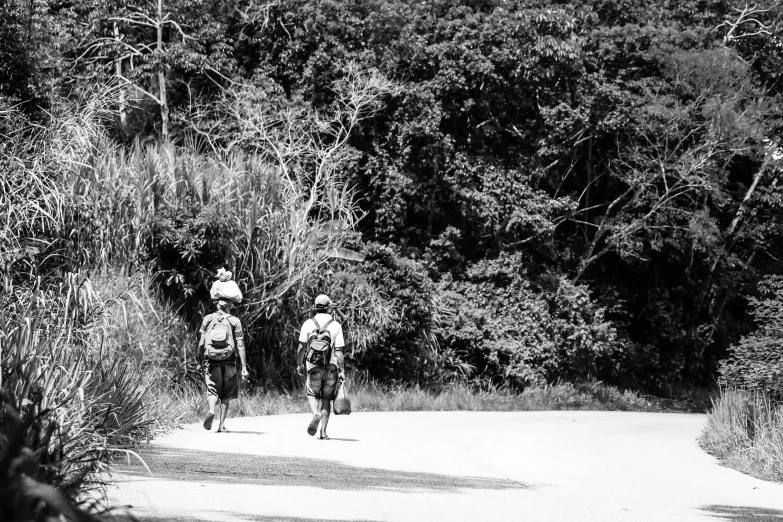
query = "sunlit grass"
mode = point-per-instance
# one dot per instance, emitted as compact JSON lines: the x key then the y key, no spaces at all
{"x":745,"y":431}
{"x":372,"y":396}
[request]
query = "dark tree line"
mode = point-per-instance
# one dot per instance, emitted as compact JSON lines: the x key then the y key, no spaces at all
{"x":555,"y":190}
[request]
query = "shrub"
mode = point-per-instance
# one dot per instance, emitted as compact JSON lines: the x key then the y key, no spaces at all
{"x":31,"y":456}
{"x":69,"y":399}
{"x":756,"y":362}
{"x":406,"y":349}
{"x":512,"y":333}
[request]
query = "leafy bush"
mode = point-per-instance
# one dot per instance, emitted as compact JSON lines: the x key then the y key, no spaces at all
{"x":31,"y":456}
{"x":70,"y":399}
{"x":406,"y":350}
{"x":512,"y":333}
{"x":756,"y":362}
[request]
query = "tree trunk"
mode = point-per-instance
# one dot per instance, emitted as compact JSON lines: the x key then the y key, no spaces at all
{"x":164,"y":106}
{"x":589,"y":182}
{"x":744,"y":204}
{"x":118,"y":72}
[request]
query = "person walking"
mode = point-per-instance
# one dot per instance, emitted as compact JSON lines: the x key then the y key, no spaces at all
{"x":219,"y":344}
{"x":321,"y":347}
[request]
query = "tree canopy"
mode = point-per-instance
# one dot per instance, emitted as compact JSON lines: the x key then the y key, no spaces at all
{"x":546,"y":189}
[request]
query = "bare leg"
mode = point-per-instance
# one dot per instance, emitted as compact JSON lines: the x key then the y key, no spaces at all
{"x":212,"y":400}
{"x":223,"y":414}
{"x":313,"y":426}
{"x":326,"y":409}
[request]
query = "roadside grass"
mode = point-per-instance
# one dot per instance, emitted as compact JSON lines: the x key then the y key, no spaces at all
{"x":745,"y":430}
{"x":368,"y":396}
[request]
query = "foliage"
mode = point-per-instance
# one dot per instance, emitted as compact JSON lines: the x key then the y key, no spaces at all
{"x":630,"y":147}
{"x":69,"y":400}
{"x":745,"y":430}
{"x":30,"y":455}
{"x":372,"y":395}
{"x":407,"y":350}
{"x":277,"y":217}
{"x":755,"y":362}
{"x":37,"y":161}
{"x":513,"y":334}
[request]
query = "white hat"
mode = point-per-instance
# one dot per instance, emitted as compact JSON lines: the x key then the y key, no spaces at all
{"x":322,"y":301}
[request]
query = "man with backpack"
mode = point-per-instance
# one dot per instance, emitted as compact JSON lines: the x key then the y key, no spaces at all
{"x":321,"y":348}
{"x":219,"y":344}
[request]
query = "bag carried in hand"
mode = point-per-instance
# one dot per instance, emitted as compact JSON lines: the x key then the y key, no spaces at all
{"x":226,"y":290}
{"x":342,"y":404}
{"x":319,"y":344}
{"x":219,"y":342}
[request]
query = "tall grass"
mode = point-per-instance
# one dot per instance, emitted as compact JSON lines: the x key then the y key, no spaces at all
{"x":35,"y":161}
{"x":68,"y":404}
{"x":745,"y":430}
{"x":370,"y":396}
{"x":272,"y":206}
{"x":185,"y":215}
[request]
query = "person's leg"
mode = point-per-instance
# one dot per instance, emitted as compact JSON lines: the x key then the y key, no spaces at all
{"x":314,"y":379}
{"x":210,"y":377}
{"x":223,"y":413}
{"x":327,"y":395}
{"x":326,"y":409}
{"x":229,"y":390}
{"x":314,"y":406}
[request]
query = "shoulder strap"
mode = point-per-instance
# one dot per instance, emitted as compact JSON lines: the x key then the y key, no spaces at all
{"x":317,"y":326}
{"x":228,"y":317}
{"x":330,"y":321}
{"x":211,"y":322}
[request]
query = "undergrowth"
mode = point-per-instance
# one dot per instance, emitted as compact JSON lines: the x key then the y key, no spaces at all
{"x":369,"y":396}
{"x":745,"y":430}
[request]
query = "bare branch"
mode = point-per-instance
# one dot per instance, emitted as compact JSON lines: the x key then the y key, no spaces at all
{"x":746,"y":15}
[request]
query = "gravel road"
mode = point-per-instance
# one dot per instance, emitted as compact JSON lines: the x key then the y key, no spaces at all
{"x":451,"y":466}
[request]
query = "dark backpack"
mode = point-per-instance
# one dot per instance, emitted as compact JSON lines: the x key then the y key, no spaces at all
{"x":219,"y":342}
{"x":319,"y":344}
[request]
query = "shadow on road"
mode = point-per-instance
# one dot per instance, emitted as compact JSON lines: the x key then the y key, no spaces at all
{"x":744,"y":513}
{"x":238,"y":468}
{"x":209,"y":517}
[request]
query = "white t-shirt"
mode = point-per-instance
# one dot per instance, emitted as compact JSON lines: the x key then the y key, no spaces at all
{"x":335,"y":329}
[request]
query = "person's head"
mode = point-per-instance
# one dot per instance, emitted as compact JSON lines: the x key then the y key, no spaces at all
{"x":322,"y":304}
{"x":224,"y":305}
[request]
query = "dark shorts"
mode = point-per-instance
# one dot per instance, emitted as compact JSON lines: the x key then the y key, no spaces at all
{"x":322,"y":382}
{"x":222,"y":379}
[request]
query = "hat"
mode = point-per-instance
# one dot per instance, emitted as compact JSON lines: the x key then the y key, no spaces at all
{"x":322,"y":301}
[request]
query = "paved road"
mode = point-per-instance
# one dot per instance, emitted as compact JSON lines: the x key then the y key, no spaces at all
{"x":451,"y":466}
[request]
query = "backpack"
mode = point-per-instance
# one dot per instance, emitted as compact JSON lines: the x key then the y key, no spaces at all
{"x":219,"y":342}
{"x":319,"y":344}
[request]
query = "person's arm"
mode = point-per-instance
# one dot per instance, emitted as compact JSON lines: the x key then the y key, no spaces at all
{"x":338,"y":354}
{"x":300,"y":355}
{"x":242,"y":357}
{"x":301,"y":351}
{"x":202,"y":344}
{"x":236,"y":327}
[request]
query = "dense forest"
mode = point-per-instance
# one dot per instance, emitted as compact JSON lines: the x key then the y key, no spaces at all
{"x":509,"y":192}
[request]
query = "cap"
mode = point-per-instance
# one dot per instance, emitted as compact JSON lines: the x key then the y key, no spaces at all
{"x":322,"y":300}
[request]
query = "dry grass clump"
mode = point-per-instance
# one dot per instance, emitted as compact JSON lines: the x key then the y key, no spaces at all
{"x":745,"y":430}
